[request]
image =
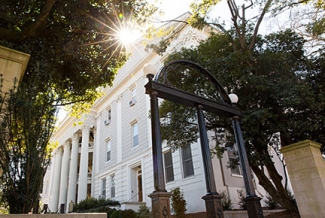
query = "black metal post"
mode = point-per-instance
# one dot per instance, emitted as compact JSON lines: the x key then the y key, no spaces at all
{"x":159,"y":180}
{"x":45,"y":208}
{"x":253,"y":203}
{"x":62,"y":208}
{"x":207,"y":162}
{"x":160,"y":197}
{"x":212,"y":199}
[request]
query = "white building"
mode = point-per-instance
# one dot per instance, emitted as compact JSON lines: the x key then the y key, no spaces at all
{"x":110,"y":156}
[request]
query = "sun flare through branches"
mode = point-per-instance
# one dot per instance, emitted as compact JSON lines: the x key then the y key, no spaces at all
{"x":117,"y":34}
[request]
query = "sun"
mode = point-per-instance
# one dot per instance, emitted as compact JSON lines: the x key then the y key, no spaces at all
{"x":127,"y":36}
{"x":119,"y":34}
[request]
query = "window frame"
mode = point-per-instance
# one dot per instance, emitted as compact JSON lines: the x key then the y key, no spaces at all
{"x":103,"y":187}
{"x":231,"y":155}
{"x":112,"y":187}
{"x":108,"y":150}
{"x":109,"y":114}
{"x":133,"y":95}
{"x":135,"y":138}
{"x":187,"y":161}
{"x":169,"y":167}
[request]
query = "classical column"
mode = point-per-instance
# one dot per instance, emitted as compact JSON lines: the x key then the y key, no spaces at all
{"x":55,"y":189}
{"x":83,"y":172}
{"x":64,"y":174}
{"x":73,"y":173}
{"x":119,"y":130}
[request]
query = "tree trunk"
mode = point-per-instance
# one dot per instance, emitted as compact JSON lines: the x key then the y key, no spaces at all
{"x":275,"y":188}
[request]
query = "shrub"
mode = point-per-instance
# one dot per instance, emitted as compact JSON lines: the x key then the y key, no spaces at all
{"x":144,"y":212}
{"x":270,"y":202}
{"x":128,"y":214}
{"x":178,"y":202}
{"x":226,"y":201}
{"x":241,"y":203}
{"x":93,"y":203}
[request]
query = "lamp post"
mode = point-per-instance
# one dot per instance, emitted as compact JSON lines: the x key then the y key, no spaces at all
{"x":159,"y":86}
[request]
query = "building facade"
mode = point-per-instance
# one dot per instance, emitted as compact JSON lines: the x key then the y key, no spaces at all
{"x":110,"y":156}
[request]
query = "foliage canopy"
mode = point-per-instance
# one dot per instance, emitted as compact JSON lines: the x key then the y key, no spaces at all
{"x":74,"y":50}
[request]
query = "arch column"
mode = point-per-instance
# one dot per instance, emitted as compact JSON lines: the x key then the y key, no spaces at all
{"x":73,"y":173}
{"x":55,"y":189}
{"x":64,"y":174}
{"x":83,"y":172}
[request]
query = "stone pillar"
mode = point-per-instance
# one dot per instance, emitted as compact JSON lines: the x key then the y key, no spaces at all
{"x":83,"y":171}
{"x":12,"y":66}
{"x":306,"y":169}
{"x":160,"y":204}
{"x":73,"y":173}
{"x":55,"y":189}
{"x":64,"y":174}
{"x":213,"y":205}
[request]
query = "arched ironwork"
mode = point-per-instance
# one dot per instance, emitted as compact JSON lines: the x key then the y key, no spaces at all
{"x":171,"y":67}
{"x":163,"y":85}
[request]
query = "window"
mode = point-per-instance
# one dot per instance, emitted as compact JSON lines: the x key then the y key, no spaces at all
{"x":235,"y":169}
{"x":133,"y":96}
{"x":113,"y":186}
{"x":108,"y":153}
{"x":108,"y":116}
{"x":188,"y":169}
{"x":135,"y":135}
{"x":169,"y":169}
{"x":103,"y":188}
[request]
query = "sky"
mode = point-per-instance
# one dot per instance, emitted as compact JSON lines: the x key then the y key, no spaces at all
{"x":175,"y":8}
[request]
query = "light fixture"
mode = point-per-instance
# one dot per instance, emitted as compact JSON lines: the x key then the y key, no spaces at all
{"x":149,"y":69}
{"x":233,"y":98}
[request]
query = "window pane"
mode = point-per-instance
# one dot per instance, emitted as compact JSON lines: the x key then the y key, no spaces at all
{"x":232,"y":156}
{"x":113,"y":186}
{"x":135,"y":141}
{"x":169,"y":169}
{"x":104,"y":188}
{"x":135,"y":138}
{"x":188,"y":169}
{"x":134,"y":92}
{"x":109,"y":114}
{"x":108,"y":156}
{"x":108,"y":153}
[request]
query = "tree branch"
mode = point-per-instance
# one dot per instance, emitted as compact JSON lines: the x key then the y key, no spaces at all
{"x":32,"y":29}
{"x":258,"y":23}
{"x":40,"y":20}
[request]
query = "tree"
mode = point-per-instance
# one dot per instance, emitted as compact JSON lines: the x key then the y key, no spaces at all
{"x":73,"y":44}
{"x":74,"y":50}
{"x":273,"y":76}
{"x":276,"y":96}
{"x":307,"y":18}
{"x":26,"y":126}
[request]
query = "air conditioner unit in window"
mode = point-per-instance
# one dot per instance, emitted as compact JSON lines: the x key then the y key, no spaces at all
{"x":132,"y":102}
{"x":106,"y":122}
{"x":102,"y":196}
